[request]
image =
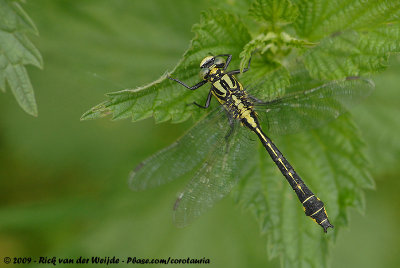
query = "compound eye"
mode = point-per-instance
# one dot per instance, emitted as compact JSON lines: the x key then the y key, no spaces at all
{"x":219,"y":62}
{"x":204,"y":73}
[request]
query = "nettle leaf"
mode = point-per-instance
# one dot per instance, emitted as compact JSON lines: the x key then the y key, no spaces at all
{"x":318,"y":19}
{"x":353,"y":53}
{"x":274,"y":12}
{"x":16,"y":51}
{"x":218,"y":32}
{"x":355,"y":37}
{"x":337,"y":177}
{"x":273,"y":46}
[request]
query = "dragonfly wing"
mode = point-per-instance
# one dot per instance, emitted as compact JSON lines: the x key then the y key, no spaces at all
{"x":314,"y":107}
{"x":182,"y":156}
{"x":214,"y":179}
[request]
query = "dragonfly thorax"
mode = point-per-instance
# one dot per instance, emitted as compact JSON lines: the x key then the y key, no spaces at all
{"x":230,"y":93}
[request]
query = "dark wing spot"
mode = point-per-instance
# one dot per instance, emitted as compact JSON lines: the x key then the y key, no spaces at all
{"x":138,"y":167}
{"x":178,"y":200}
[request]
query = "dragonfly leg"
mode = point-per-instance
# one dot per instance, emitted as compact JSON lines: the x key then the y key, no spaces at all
{"x":245,"y":69}
{"x":199,"y":84}
{"x":207,"y":101}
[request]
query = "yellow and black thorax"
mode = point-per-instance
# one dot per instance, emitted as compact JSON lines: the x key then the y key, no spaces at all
{"x":229,"y":92}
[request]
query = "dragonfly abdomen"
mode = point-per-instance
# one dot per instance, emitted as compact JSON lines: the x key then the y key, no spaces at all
{"x":313,"y":206}
{"x":238,"y":105}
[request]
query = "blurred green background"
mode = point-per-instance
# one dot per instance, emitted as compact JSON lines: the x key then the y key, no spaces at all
{"x":63,"y":183}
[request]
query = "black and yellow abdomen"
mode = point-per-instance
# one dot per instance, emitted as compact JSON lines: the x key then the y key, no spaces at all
{"x":313,"y":206}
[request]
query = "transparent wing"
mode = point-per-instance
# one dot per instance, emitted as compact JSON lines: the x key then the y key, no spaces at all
{"x":312,"y":108}
{"x":215,"y":178}
{"x":184,"y":155}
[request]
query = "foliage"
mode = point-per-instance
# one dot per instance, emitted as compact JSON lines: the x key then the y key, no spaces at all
{"x":16,"y":51}
{"x":332,"y":40}
{"x":274,"y":13}
{"x":52,"y":187}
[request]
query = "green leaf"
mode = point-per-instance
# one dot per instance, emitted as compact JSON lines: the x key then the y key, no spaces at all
{"x":274,"y":46}
{"x":356,"y":37}
{"x":16,"y":51}
{"x":352,"y":53}
{"x":218,"y":32}
{"x":274,"y":12}
{"x":318,"y":19}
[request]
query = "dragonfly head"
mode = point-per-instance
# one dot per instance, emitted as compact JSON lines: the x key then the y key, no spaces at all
{"x":209,"y":64}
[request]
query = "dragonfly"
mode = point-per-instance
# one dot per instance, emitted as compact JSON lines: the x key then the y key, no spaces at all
{"x":216,"y":149}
